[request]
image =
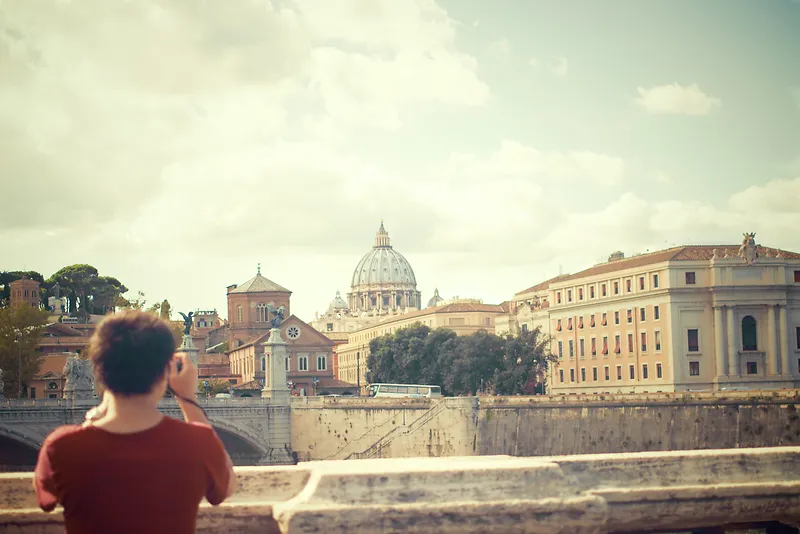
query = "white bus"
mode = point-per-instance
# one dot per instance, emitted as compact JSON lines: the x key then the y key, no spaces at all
{"x":404,"y":390}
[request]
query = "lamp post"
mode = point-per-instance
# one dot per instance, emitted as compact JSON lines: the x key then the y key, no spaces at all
{"x":358,"y":369}
{"x":207,"y":388}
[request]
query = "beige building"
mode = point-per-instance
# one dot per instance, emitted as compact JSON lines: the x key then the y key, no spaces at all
{"x":684,"y":319}
{"x":464,"y":316}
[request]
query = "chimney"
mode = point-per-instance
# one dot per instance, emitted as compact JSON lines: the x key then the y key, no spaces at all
{"x":232,"y":287}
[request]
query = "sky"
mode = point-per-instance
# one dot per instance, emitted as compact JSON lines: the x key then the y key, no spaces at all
{"x":177,"y":144}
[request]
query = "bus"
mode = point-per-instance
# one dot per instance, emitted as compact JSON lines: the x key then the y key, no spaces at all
{"x":414,"y":391}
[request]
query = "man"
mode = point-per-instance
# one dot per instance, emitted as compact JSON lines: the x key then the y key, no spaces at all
{"x":129,"y":468}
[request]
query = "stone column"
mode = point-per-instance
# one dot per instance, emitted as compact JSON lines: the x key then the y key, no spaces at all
{"x":733,"y":356}
{"x":394,"y":300}
{"x":187,"y":346}
{"x":719,"y":342}
{"x":380,"y":301}
{"x":772,"y":340}
{"x":277,"y":428}
{"x":786,"y":367}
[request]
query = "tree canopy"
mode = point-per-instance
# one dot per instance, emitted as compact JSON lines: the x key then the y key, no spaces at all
{"x":461,"y":365}
{"x":21,"y":328}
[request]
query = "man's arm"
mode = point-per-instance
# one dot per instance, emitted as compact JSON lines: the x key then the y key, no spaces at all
{"x":193,"y":414}
{"x":184,"y":384}
{"x":43,"y":482}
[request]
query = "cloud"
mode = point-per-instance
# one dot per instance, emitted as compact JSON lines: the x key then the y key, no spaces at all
{"x":514,"y":159}
{"x":559,"y":66}
{"x":676,"y":100}
{"x":501,"y":48}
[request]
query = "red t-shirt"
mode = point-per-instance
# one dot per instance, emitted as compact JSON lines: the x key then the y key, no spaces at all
{"x":150,"y":481}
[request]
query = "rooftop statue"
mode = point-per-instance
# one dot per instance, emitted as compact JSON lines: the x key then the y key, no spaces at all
{"x":749,"y":250}
{"x":277,"y":318}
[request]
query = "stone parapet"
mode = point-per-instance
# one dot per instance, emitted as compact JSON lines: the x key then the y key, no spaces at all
{"x":609,"y":493}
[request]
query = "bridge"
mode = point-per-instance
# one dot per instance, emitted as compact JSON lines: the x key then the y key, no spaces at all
{"x":254,"y":431}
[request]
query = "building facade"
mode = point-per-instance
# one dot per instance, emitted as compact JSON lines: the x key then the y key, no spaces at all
{"x":248,"y":308}
{"x":464,"y":316}
{"x":25,"y":291}
{"x":688,"y":318}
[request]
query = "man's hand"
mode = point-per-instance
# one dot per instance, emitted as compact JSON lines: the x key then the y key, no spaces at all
{"x":183,"y":382}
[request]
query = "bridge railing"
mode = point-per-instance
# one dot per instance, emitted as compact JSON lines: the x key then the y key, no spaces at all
{"x":709,"y":491}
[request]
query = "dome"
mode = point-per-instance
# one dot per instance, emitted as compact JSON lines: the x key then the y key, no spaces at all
{"x":435,"y":299}
{"x":337,"y":303}
{"x":383,"y":266}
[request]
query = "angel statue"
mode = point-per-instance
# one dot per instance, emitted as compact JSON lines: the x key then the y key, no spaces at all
{"x":187,"y":322}
{"x":749,"y":250}
{"x":276,"y":321}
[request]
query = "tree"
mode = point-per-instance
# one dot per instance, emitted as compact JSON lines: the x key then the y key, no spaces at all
{"x":21,"y":328}
{"x":135,"y":303}
{"x":216,"y":385}
{"x":396,"y":357}
{"x":106,"y":293}
{"x":78,"y":281}
{"x":6,"y":277}
{"x":526,"y":359}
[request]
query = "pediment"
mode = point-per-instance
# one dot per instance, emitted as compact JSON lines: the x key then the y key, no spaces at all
{"x":309,"y":336}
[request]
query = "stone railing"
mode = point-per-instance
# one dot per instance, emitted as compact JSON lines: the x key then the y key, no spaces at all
{"x":613,"y":493}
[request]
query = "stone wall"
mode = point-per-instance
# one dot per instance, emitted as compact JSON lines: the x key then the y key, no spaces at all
{"x":324,"y":429}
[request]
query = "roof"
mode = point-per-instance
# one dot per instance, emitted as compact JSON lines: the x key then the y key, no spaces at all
{"x":334,"y":383}
{"x":542,"y":285}
{"x":252,"y":385}
{"x":455,"y":307}
{"x":682,"y":253}
{"x":259,"y":284}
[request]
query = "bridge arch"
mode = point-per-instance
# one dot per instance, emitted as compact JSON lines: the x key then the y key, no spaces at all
{"x":17,"y":451}
{"x":243,"y":448}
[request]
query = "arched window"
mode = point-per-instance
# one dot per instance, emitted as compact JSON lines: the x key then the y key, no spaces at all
{"x":749,"y":333}
{"x":239,"y":313}
{"x":261,"y":310}
{"x":322,"y":362}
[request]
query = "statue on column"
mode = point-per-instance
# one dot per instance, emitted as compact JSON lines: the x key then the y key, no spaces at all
{"x":277,"y":318}
{"x":187,"y":322}
{"x":80,"y":378}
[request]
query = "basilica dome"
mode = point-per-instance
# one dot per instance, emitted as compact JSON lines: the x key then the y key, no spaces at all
{"x":383,"y":278}
{"x":337,"y":303}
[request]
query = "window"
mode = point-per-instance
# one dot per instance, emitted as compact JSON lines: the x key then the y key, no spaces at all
{"x":605,"y":345}
{"x":580,"y":293}
{"x":560,"y":375}
{"x":632,"y":369}
{"x":322,"y":362}
{"x":797,"y":336}
{"x":591,"y":292}
{"x":582,"y":347}
{"x":583,"y":374}
{"x":749,"y":334}
{"x":690,"y":278}
{"x":619,"y":372}
{"x":558,"y":326}
{"x":558,"y":297}
{"x":641,"y":283}
{"x":797,"y":277}
{"x":656,"y":313}
{"x":580,"y":322}
{"x":571,"y":349}
{"x":616,"y":317}
{"x":33,"y":393}
{"x":572,"y":375}
{"x":607,"y":373}
{"x":617,"y":348}
{"x":752,"y":368}
{"x":569,"y":295}
{"x":655,"y":281}
{"x":644,"y":341}
{"x":569,"y":323}
{"x":630,"y":343}
{"x":643,"y":314}
{"x":694,"y":368}
{"x":657,"y":340}
{"x":591,"y":323}
{"x":628,"y":285}
{"x":644,"y":370}
{"x":616,"y":288}
{"x":239,"y":313}
{"x":594,"y":347}
{"x":329,"y":327}
{"x":630,"y":316}
{"x":560,"y":349}
{"x":693,"y":339}
{"x":594,"y":374}
{"x":603,"y":290}
{"x":605,"y":320}
{"x":261,"y":313}
{"x":302,"y":363}
{"x":659,"y":374}
{"x":263,"y":364}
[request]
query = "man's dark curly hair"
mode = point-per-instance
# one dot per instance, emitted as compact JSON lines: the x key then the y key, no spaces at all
{"x":130,"y":351}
